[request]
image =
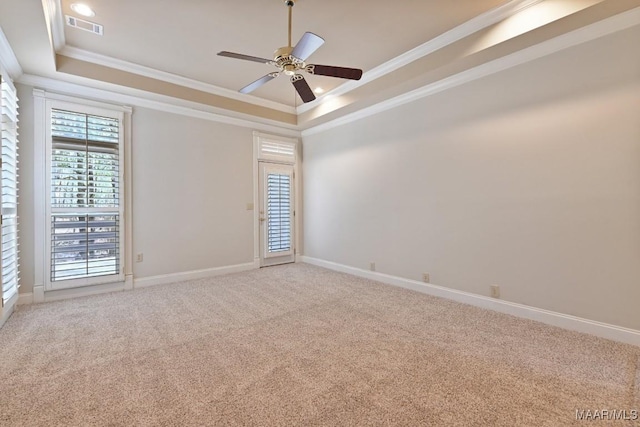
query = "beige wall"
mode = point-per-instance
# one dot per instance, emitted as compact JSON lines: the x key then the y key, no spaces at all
{"x":529,"y":179}
{"x":191,"y":180}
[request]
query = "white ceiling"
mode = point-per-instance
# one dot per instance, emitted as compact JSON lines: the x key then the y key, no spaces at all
{"x":183,"y":37}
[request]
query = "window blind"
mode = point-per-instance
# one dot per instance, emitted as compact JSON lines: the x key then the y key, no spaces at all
{"x":277,"y":151}
{"x":279,"y":212}
{"x":85,"y":195}
{"x":9,"y":136}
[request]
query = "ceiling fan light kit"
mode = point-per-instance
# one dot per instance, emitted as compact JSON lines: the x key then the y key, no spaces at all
{"x":290,"y":60}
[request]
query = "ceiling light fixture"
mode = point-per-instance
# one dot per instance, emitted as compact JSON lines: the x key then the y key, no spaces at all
{"x":318,"y":90}
{"x":82,"y":9}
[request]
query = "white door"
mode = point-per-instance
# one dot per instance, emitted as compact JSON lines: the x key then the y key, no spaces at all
{"x":276,"y":214}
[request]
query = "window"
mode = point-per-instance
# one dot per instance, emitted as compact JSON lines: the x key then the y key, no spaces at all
{"x":85,"y":206}
{"x":9,"y":135}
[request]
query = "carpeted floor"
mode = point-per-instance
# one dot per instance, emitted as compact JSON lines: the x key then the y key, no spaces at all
{"x":300,"y":345}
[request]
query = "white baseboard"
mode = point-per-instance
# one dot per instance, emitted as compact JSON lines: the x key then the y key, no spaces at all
{"x":26,"y":298}
{"x":191,"y":275}
{"x":565,"y":321}
{"x":5,"y":313}
{"x":38,"y":293}
{"x":128,"y":282}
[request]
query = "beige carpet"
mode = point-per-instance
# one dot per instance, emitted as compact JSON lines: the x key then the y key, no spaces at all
{"x":300,"y":345}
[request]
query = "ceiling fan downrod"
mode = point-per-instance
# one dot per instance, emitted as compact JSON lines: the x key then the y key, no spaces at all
{"x":289,"y":4}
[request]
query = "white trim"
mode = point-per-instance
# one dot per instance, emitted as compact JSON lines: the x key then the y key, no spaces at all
{"x":55,"y":23}
{"x":191,"y":275}
{"x":127,"y":259}
{"x":256,"y":198}
{"x":39,"y":193}
{"x":38,"y":294}
{"x":128,"y":282}
{"x":565,"y":321}
{"x":84,"y":102}
{"x":591,"y":32}
{"x":85,"y":291}
{"x":5,"y":313}
{"x":8,"y":59}
{"x":474,"y":25}
{"x":129,"y":67}
{"x":25,"y":299}
{"x":158,"y":102}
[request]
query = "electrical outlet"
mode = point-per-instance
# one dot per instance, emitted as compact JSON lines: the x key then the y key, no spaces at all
{"x":139,"y":258}
{"x":495,"y":291}
{"x":425,"y":277}
{"x":372,"y":266}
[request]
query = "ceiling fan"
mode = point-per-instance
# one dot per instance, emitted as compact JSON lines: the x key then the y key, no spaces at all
{"x":291,"y":60}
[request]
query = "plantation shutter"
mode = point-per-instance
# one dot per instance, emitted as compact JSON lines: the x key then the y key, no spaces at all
{"x":277,"y":151}
{"x":279,"y":212}
{"x":9,"y":136}
{"x":85,"y":196}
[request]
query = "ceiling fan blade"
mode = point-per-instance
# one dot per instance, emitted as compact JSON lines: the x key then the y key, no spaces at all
{"x":303,"y":88}
{"x":245,"y":57}
{"x":255,"y":85}
{"x":308,"y":44}
{"x":331,"y":71}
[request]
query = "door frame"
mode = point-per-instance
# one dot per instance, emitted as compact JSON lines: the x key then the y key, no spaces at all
{"x":258,"y":139}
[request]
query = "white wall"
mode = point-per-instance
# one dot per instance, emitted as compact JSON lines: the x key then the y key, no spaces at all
{"x":529,"y":179}
{"x":191,"y":180}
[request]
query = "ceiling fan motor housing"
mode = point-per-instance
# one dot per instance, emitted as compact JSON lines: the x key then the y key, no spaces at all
{"x":288,"y":64}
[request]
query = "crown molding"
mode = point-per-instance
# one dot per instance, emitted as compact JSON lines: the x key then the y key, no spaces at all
{"x":8,"y":60}
{"x":53,"y":13}
{"x":478,"y":23}
{"x":591,"y":32}
{"x":55,"y":22}
{"x":139,"y":98}
{"x":118,"y":64}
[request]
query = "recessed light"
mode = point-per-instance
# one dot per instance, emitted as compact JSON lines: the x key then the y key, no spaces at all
{"x":82,"y":9}
{"x":318,"y":90}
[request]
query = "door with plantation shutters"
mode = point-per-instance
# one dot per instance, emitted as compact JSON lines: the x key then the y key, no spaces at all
{"x":276,"y":214}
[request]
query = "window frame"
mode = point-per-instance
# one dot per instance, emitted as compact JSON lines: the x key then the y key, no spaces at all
{"x":42,"y":286}
{"x":97,"y":110}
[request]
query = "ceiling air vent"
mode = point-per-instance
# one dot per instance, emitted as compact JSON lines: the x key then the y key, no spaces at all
{"x":85,"y":25}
